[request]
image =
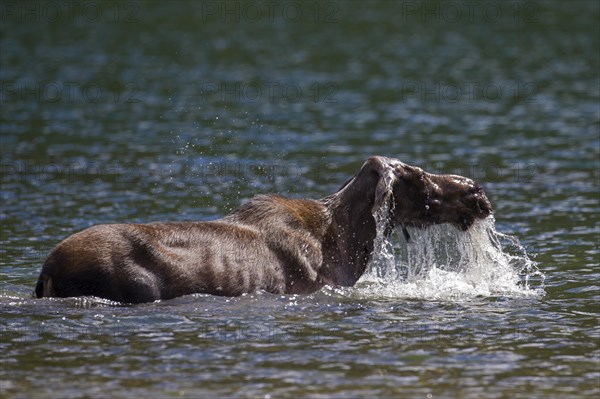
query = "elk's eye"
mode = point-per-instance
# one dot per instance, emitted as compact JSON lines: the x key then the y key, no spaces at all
{"x":435,"y":202}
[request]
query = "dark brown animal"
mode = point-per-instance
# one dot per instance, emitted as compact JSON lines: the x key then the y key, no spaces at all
{"x":271,"y":243}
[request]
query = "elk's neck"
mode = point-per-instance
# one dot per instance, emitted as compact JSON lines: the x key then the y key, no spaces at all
{"x":349,"y":239}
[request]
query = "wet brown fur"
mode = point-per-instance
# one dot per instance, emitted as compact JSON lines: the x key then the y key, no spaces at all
{"x":271,"y":243}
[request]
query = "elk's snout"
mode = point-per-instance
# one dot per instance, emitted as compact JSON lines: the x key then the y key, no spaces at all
{"x":474,"y":205}
{"x":422,"y":199}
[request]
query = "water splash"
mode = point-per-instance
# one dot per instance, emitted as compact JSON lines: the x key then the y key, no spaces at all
{"x":442,"y":262}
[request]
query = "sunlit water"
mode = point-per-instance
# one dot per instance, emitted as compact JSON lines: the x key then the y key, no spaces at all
{"x":135,"y":137}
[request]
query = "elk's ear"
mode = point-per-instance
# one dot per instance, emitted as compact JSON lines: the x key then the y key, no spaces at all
{"x":383,"y":190}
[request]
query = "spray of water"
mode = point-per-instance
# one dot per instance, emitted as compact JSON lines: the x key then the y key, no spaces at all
{"x":442,"y":262}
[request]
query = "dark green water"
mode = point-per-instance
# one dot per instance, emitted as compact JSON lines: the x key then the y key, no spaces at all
{"x":146,"y":111}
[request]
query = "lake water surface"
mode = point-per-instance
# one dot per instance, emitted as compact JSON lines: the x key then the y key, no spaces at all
{"x":145,"y":111}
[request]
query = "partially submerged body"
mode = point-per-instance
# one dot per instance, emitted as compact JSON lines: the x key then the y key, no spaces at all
{"x":271,"y":243}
